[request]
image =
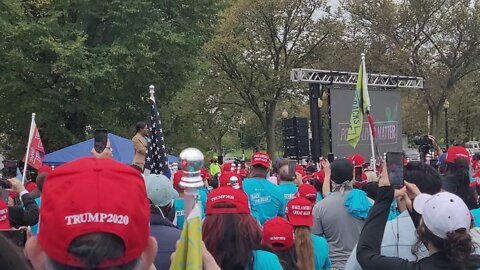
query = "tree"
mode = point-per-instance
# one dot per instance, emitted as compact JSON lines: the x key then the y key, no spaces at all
{"x":436,"y":39}
{"x":81,"y":64}
{"x":257,"y":44}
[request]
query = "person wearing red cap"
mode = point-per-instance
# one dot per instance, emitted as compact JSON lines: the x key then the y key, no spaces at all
{"x":232,"y":235}
{"x":179,"y":203}
{"x":266,"y":199}
{"x":278,"y":236}
{"x":99,"y":205}
{"x":230,"y":179}
{"x":308,"y":192}
{"x":312,"y":250}
{"x":457,"y":177}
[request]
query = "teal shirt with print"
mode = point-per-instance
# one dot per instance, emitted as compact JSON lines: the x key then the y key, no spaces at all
{"x":264,"y":260}
{"x":320,"y":248}
{"x":180,"y":207}
{"x":266,"y":199}
{"x":289,"y":189}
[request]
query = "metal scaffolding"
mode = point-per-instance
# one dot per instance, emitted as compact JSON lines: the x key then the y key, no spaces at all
{"x":328,"y":77}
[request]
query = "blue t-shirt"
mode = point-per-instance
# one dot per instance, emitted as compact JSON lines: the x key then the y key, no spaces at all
{"x":264,"y":260}
{"x":289,"y":190}
{"x":266,"y":199}
{"x":320,"y":248}
{"x":180,"y":207}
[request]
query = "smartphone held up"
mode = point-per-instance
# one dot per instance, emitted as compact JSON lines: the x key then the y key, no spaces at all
{"x":394,"y":162}
{"x":100,"y":140}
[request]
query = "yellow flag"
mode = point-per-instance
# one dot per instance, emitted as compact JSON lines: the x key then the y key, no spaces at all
{"x":188,"y":255}
{"x":360,"y":106}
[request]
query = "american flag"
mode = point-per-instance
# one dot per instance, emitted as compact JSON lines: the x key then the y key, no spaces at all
{"x":156,"y":161}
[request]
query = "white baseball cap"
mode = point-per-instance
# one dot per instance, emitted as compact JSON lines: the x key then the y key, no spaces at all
{"x":442,"y":213}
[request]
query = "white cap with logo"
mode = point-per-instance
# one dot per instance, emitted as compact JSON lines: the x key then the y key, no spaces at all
{"x":442,"y":213}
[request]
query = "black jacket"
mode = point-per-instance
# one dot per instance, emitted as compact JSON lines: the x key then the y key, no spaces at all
{"x":368,"y":250}
{"x":26,"y":215}
{"x":167,"y":236}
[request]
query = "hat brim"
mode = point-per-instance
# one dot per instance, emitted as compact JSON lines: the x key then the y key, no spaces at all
{"x":420,"y":201}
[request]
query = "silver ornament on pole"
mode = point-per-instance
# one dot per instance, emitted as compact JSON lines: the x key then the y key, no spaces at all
{"x":191,"y":162}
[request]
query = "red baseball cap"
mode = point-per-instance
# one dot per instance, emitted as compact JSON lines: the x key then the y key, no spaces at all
{"x":204,"y":173}
{"x":45,"y":169}
{"x":30,"y":186}
{"x":299,"y":212}
{"x":357,"y":159}
{"x":320,"y":175}
{"x":91,"y":195}
{"x":299,"y":169}
{"x":225,"y":179}
{"x":455,"y":152}
{"x":236,"y":197}
{"x":260,"y":158}
{"x":307,"y":191}
{"x":278,"y":233}
{"x":4,"y":221}
{"x":177,"y":177}
{"x":227,"y":167}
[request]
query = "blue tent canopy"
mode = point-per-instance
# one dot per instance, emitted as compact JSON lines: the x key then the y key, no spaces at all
{"x":122,"y":151}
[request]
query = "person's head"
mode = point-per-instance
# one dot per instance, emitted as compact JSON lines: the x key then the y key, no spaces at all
{"x":426,"y":178}
{"x":142,"y":128}
{"x":230,"y":179}
{"x":229,"y":231}
{"x":160,"y":191}
{"x":444,"y":226}
{"x":278,"y":236}
{"x":299,"y":213}
{"x":95,"y":214}
{"x":357,"y":160}
{"x":342,"y":170}
{"x":215,"y":159}
{"x":42,"y":175}
{"x":283,"y":173}
{"x":10,"y":258}
{"x":308,"y":192}
{"x":177,"y":178}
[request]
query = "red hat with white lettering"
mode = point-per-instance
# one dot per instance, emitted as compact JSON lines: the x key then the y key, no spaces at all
{"x":227,"y":178}
{"x":236,"y":201}
{"x":93,"y":195}
{"x":299,"y":212}
{"x":260,"y":158}
{"x":307,"y":191}
{"x":357,"y":159}
{"x":278,"y":233}
{"x":455,"y":152}
{"x":45,"y":169}
{"x":4,"y":221}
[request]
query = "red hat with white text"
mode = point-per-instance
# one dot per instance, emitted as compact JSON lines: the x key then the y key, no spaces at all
{"x":455,"y":152}
{"x":236,"y":198}
{"x":278,"y":233}
{"x":299,"y":212}
{"x":260,"y":158}
{"x":92,"y":195}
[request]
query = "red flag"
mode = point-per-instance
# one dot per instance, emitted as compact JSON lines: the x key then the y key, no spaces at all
{"x":372,"y":127}
{"x":36,"y":152}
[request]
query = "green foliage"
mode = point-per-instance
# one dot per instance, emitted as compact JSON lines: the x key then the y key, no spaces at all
{"x":89,"y":63}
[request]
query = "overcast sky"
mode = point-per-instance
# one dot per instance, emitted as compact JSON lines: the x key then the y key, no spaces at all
{"x":334,"y":3}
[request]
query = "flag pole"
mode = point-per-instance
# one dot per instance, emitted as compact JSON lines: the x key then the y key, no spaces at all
{"x":367,"y":97}
{"x":191,"y":161}
{"x":30,"y":136}
{"x":152,"y":92}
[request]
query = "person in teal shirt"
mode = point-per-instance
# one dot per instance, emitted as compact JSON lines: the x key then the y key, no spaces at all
{"x":266,"y":199}
{"x":320,"y":249}
{"x":180,"y":206}
{"x":286,"y":183}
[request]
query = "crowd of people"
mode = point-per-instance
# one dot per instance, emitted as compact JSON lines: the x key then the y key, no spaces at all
{"x":96,"y":213}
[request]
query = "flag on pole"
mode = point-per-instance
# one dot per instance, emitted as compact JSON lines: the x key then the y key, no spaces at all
{"x":156,"y":161}
{"x":36,"y":152}
{"x":188,"y":255}
{"x":361,"y":104}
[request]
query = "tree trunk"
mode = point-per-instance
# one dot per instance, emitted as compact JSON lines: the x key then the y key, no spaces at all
{"x":435,"y":121}
{"x":270,"y":129}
